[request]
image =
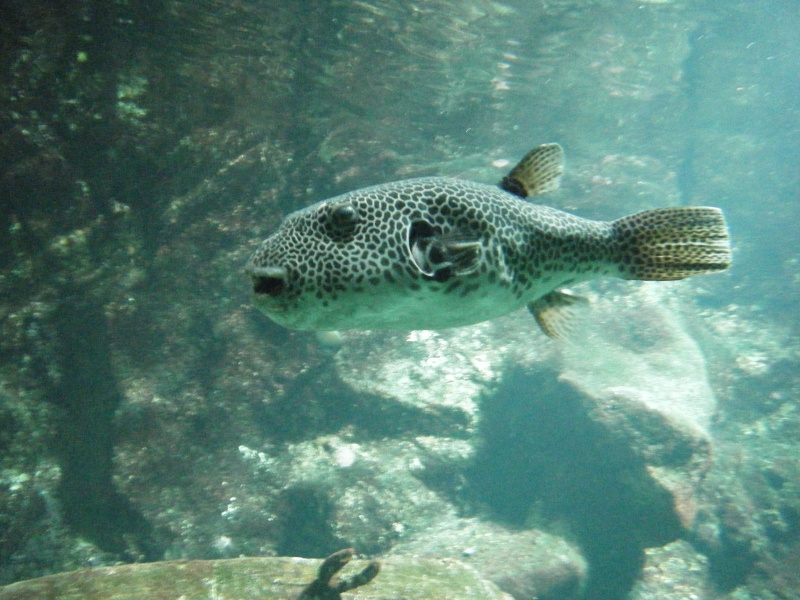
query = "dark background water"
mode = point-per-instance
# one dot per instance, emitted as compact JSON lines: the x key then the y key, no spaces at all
{"x":148,"y":146}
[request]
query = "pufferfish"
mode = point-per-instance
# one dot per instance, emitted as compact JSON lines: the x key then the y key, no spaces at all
{"x":439,"y":252}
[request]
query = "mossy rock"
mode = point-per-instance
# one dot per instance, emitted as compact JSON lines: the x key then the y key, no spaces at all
{"x":257,"y":579}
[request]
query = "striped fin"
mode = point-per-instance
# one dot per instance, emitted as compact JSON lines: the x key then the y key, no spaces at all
{"x":672,"y":243}
{"x":557,"y":313}
{"x":537,"y":173}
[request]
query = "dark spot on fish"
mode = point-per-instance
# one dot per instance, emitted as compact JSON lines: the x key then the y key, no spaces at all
{"x":450,"y":288}
{"x":469,"y":289}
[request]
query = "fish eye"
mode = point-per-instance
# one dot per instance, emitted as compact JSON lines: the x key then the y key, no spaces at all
{"x":343,"y":217}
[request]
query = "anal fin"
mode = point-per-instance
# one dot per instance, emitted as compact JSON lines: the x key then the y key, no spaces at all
{"x":558,"y":313}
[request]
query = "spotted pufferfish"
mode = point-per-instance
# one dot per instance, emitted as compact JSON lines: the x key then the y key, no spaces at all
{"x":439,"y":252}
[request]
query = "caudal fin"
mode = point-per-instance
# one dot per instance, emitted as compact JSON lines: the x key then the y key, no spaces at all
{"x":672,"y":243}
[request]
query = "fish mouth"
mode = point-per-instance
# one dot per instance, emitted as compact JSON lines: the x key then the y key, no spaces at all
{"x":268,"y":281}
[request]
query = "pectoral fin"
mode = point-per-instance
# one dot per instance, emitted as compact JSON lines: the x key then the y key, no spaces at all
{"x":439,"y":256}
{"x":558,"y":313}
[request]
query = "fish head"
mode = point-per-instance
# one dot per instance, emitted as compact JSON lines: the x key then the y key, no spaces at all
{"x":330,"y":263}
{"x":369,"y":259}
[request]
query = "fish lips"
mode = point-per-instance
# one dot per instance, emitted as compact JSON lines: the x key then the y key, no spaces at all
{"x":268,"y":281}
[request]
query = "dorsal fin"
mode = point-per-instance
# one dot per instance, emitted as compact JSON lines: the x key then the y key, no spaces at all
{"x":537,"y":173}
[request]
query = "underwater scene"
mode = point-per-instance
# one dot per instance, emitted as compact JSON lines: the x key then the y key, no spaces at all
{"x":541,"y":342}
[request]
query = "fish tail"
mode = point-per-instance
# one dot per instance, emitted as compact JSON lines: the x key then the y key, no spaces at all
{"x":672,"y":243}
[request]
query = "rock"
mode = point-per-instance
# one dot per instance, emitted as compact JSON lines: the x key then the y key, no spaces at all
{"x":636,"y":346}
{"x":444,"y":374}
{"x":606,"y":436}
{"x":254,"y":578}
{"x":33,"y":535}
{"x":527,"y":564}
{"x":366,"y":494}
{"x":645,"y":381}
{"x":673,"y":572}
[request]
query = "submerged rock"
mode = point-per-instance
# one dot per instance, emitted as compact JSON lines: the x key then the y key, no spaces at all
{"x":674,"y":572}
{"x":256,"y":579}
{"x":646,"y":382}
{"x":638,"y":374}
{"x":605,"y":437}
{"x":528,"y":564}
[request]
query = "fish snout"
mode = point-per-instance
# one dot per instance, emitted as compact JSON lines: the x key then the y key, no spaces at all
{"x":269,"y":281}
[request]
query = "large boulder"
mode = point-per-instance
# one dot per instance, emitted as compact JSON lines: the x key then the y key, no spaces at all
{"x":527,"y":564}
{"x":254,"y":578}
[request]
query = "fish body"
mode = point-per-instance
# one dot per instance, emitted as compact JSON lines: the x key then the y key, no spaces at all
{"x":438,"y":252}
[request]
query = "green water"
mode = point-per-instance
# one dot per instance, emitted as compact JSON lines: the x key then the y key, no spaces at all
{"x":148,"y":412}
